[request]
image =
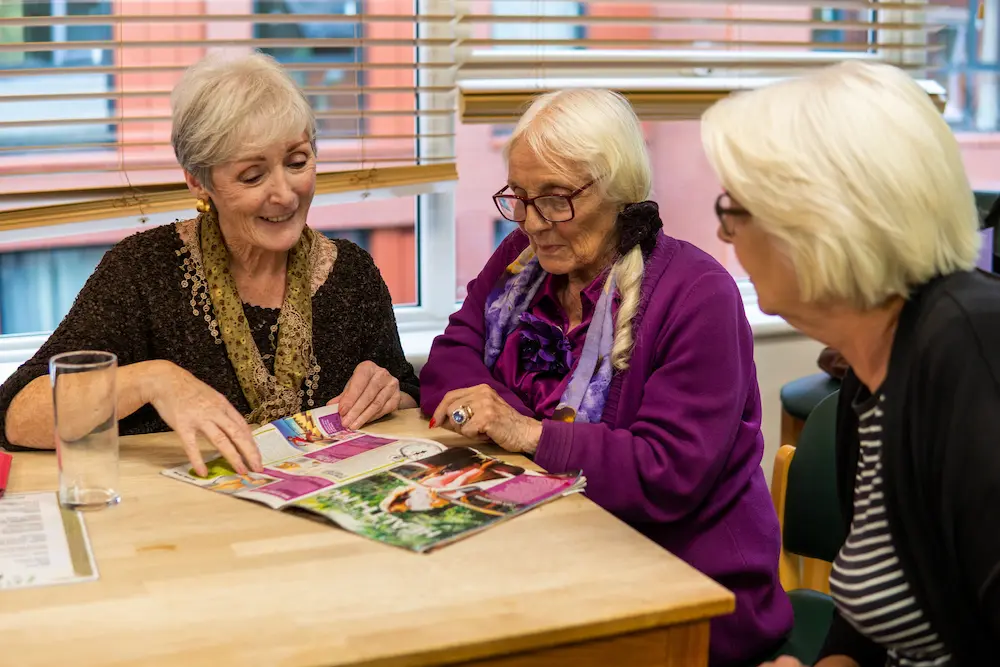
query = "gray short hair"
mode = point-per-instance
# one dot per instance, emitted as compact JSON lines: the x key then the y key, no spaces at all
{"x":224,"y":107}
{"x":855,"y":173}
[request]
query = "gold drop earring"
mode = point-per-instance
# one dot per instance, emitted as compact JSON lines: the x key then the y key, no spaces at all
{"x":203,"y":206}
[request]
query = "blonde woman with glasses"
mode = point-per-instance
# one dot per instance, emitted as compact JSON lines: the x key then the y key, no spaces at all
{"x":848,"y":205}
{"x":592,"y":340}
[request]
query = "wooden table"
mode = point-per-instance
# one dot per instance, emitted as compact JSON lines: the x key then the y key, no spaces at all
{"x":190,"y":577}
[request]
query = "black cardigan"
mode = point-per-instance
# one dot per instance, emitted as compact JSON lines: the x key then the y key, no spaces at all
{"x":940,"y":466}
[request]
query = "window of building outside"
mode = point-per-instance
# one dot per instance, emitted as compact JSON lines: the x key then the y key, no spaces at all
{"x":502,"y":228}
{"x":534,"y":31}
{"x":966,"y":64}
{"x":38,"y":286}
{"x":331,"y":77}
{"x":48,"y":280}
{"x":40,"y":278}
{"x":94,"y":133}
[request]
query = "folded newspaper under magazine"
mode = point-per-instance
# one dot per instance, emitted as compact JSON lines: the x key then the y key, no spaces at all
{"x":415,"y":494}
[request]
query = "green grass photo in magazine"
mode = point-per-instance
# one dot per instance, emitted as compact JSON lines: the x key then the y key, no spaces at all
{"x":380,"y":507}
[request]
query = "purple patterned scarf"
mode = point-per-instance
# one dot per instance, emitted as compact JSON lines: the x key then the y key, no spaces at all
{"x":587,"y":391}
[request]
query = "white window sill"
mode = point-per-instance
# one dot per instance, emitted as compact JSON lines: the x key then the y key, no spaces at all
{"x":415,"y":336}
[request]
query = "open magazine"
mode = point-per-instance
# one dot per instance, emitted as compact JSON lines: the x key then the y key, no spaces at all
{"x":411,"y":493}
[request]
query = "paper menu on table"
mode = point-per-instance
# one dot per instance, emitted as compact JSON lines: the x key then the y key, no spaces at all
{"x":41,"y":543}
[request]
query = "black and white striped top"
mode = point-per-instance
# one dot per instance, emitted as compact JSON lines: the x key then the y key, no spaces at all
{"x":867,"y":582}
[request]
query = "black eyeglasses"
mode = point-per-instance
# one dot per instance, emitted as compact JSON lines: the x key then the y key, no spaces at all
{"x":552,"y":208}
{"x":725,"y":208}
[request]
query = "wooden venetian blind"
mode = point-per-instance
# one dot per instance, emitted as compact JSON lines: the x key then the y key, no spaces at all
{"x":85,"y":95}
{"x":674,"y":58}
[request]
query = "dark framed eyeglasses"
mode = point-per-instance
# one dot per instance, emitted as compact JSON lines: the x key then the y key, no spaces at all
{"x":551,"y":208}
{"x":726,"y":209}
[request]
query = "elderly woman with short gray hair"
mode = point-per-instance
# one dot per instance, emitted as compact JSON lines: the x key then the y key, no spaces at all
{"x":243,"y":314}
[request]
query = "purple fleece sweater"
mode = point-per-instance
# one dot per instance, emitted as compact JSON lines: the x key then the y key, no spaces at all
{"x":677,"y":453}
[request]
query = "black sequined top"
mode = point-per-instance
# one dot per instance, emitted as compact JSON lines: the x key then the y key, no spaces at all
{"x":135,"y":306}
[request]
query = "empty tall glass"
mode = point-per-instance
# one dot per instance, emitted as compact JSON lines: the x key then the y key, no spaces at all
{"x":85,"y":404}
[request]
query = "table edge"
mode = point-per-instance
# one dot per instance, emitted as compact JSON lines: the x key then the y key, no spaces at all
{"x":522,"y":643}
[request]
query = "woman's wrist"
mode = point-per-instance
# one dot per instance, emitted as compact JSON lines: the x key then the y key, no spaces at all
{"x":146,"y":378}
{"x":531,"y":435}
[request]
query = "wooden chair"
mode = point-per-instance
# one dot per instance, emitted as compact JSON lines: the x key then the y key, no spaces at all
{"x":804,"y":491}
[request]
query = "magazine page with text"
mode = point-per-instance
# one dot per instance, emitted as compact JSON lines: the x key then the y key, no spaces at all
{"x":304,"y":454}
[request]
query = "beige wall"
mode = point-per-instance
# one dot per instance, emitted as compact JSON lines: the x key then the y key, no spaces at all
{"x":780,"y":359}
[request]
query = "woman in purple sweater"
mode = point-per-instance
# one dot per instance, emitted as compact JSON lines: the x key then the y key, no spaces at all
{"x":593,"y":341}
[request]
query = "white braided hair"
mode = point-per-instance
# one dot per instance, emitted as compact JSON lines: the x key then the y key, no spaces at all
{"x":596,"y":132}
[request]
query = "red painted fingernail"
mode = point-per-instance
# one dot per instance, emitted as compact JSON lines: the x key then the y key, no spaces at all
{"x":432,"y":424}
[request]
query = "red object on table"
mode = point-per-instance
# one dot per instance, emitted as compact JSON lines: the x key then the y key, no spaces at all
{"x":5,"y":461}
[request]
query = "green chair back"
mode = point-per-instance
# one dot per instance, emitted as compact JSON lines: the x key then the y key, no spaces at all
{"x":813,"y":526}
{"x":800,"y":397}
{"x":813,"y":615}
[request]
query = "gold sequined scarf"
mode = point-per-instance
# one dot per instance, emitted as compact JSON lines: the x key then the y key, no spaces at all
{"x":270,"y":395}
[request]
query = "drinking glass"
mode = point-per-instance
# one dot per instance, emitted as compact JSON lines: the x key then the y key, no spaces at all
{"x":85,"y":404}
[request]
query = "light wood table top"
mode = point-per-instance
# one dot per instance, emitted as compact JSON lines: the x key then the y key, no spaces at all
{"x":190,"y":577}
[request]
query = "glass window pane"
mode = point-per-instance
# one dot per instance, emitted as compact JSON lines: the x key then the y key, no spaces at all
{"x":38,"y":285}
{"x":386,"y":229}
{"x":332,"y":78}
{"x":501,"y":230}
{"x":48,"y":56}
{"x":331,"y":75}
{"x":967,"y":65}
{"x":966,"y":62}
{"x":683,"y":185}
{"x":536,"y":31}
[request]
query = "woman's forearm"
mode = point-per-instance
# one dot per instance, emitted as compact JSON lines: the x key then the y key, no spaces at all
{"x":30,"y":422}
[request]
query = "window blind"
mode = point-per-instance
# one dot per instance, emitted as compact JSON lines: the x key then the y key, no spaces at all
{"x":85,"y":95}
{"x":674,"y":58}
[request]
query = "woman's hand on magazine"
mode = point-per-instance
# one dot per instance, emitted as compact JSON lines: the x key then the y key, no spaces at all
{"x":491,"y":418}
{"x":372,"y":392}
{"x":189,"y":407}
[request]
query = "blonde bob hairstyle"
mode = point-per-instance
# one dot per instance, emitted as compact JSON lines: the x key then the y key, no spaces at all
{"x":595,"y":135}
{"x":855,"y":173}
{"x":226,"y":107}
